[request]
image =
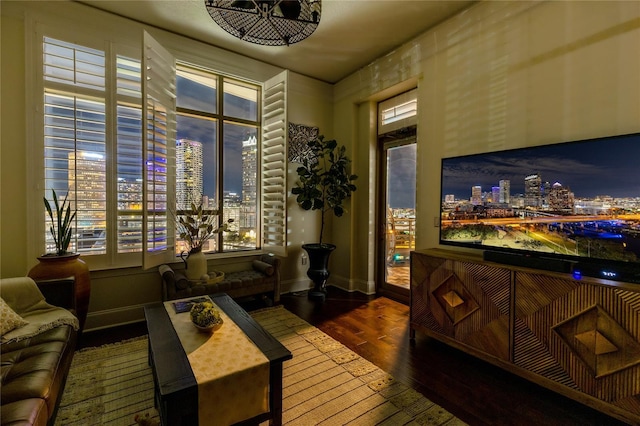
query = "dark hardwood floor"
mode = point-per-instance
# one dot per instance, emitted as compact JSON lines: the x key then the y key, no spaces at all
{"x":377,"y":328}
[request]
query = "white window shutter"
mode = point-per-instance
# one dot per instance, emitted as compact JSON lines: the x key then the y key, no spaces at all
{"x":158,"y":152}
{"x":274,"y":164}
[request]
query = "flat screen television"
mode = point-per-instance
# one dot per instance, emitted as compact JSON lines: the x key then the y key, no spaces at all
{"x":576,"y":203}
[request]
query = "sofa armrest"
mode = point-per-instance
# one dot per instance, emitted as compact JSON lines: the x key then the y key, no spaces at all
{"x":172,"y":281}
{"x":59,"y":292}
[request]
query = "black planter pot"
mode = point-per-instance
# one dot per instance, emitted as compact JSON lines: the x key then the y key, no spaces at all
{"x":318,"y":268}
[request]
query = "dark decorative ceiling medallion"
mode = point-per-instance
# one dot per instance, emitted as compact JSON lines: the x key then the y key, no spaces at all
{"x":269,"y":23}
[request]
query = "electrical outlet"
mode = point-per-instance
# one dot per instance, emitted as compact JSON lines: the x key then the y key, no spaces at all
{"x":436,"y":221}
{"x":304,"y":259}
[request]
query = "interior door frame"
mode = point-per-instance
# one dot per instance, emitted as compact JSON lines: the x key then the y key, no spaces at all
{"x":404,"y":136}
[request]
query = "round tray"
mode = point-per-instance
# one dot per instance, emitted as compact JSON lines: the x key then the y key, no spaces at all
{"x":215,"y":277}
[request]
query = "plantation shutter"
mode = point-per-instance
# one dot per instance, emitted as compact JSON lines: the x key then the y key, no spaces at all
{"x":158,"y":152}
{"x":274,"y":164}
{"x":128,"y":155}
{"x":75,"y":138}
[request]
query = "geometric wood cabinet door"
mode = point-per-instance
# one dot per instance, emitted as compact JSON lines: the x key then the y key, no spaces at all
{"x":584,"y":336}
{"x":466,"y":301}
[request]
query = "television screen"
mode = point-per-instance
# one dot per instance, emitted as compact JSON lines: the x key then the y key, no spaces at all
{"x":571,"y":200}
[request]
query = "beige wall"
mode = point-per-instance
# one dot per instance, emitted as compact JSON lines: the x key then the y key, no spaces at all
{"x":13,"y":160}
{"x":499,"y":75}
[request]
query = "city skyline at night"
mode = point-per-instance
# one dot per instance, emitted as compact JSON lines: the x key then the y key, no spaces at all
{"x":605,"y":166}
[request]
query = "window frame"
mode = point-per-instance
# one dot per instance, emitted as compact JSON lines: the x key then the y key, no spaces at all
{"x":38,"y":26}
{"x":35,"y":133}
{"x":221,"y":119}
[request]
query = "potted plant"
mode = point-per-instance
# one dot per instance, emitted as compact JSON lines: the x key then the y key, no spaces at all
{"x":195,"y":226}
{"x":62,"y":263}
{"x":64,"y":220}
{"x":324,"y":183}
{"x":205,"y":317}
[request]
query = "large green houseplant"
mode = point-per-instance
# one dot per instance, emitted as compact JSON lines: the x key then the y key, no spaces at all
{"x":324,"y":183}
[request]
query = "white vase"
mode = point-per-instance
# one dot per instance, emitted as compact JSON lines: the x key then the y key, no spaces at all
{"x":196,"y":265}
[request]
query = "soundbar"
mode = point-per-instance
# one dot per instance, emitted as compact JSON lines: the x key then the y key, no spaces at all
{"x":519,"y":259}
{"x":579,"y":269}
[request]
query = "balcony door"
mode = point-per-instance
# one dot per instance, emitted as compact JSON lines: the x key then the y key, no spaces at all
{"x":396,"y":211}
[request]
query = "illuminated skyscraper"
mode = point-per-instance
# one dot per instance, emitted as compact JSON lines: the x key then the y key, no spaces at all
{"x":476,"y":195}
{"x":533,"y":190}
{"x":88,"y":196}
{"x":189,"y":184}
{"x":232,"y":206}
{"x":505,"y":191}
{"x":495,"y":194}
{"x":561,"y":198}
{"x":248,"y":218}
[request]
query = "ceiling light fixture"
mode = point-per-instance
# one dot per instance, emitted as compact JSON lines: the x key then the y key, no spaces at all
{"x":270,"y":23}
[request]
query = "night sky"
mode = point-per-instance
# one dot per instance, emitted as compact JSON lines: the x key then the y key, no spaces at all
{"x":192,"y":94}
{"x":401,"y":181}
{"x":605,"y":166}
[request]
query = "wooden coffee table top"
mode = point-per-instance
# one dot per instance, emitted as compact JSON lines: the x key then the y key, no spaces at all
{"x":170,"y":364}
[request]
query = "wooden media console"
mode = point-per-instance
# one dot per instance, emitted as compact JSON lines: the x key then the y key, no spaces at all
{"x":580,"y":338}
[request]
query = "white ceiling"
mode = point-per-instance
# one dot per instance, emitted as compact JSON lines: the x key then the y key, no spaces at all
{"x":351,"y":34}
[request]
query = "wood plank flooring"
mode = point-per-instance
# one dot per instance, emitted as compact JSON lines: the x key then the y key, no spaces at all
{"x":475,"y":391}
{"x":377,"y":328}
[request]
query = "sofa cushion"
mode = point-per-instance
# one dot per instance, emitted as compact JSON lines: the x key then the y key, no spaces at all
{"x":36,"y":368}
{"x":32,"y":411}
{"x":9,"y":319}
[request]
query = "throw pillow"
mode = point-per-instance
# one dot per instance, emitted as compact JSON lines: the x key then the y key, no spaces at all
{"x":9,"y":319}
{"x":263,"y":267}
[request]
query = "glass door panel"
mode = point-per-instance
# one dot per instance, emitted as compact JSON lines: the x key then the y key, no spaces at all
{"x":397,"y":211}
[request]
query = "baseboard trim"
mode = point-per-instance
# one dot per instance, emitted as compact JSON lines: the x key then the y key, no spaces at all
{"x":292,"y":286}
{"x":114,"y":317}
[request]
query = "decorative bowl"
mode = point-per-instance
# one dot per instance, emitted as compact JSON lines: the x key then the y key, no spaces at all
{"x":210,"y":328}
{"x":205,"y":317}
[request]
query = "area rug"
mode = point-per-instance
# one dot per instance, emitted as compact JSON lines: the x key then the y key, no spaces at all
{"x":324,"y":384}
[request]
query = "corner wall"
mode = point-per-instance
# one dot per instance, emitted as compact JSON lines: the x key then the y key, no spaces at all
{"x":499,"y":75}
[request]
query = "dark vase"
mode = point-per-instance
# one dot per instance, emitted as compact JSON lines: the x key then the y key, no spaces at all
{"x":53,"y":266}
{"x":318,"y":268}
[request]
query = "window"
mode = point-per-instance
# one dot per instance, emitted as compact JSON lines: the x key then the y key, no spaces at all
{"x":76,"y":152}
{"x":123,"y":182}
{"x":398,"y":112}
{"x":217,"y":119}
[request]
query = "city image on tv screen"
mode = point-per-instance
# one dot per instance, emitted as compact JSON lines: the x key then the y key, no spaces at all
{"x":571,"y":200}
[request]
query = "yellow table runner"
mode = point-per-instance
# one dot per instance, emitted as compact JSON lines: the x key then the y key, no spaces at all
{"x":231,"y":371}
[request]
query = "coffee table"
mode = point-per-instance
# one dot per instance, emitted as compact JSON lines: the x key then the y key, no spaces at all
{"x":175,"y":387}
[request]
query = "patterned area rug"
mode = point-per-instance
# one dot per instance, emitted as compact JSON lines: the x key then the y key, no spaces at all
{"x":324,"y":384}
